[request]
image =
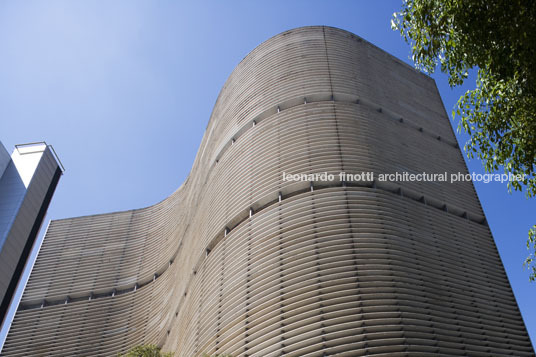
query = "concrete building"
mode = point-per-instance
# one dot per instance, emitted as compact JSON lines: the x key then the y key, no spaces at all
{"x":28,"y":179}
{"x":240,"y":261}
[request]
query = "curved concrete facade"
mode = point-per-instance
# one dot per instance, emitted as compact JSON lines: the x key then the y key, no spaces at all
{"x":239,"y":261}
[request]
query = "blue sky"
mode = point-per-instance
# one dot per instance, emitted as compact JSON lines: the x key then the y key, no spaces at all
{"x":123,"y":90}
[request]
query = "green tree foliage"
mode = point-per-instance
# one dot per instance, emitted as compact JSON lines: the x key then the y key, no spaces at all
{"x":146,"y":351}
{"x":497,"y":37}
{"x":531,"y":259}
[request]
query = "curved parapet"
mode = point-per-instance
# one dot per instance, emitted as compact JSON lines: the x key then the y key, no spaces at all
{"x":242,"y":261}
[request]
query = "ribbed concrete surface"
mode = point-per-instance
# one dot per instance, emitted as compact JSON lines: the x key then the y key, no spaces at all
{"x":237,"y":261}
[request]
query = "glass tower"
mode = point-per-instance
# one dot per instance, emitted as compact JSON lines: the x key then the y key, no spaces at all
{"x":28,"y":179}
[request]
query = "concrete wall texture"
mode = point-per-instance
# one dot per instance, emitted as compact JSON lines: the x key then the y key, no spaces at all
{"x":239,"y":261}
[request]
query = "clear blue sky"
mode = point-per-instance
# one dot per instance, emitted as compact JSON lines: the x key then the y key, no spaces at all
{"x":124,"y":90}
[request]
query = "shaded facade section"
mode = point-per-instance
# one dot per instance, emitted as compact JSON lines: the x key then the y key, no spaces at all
{"x":240,"y":261}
